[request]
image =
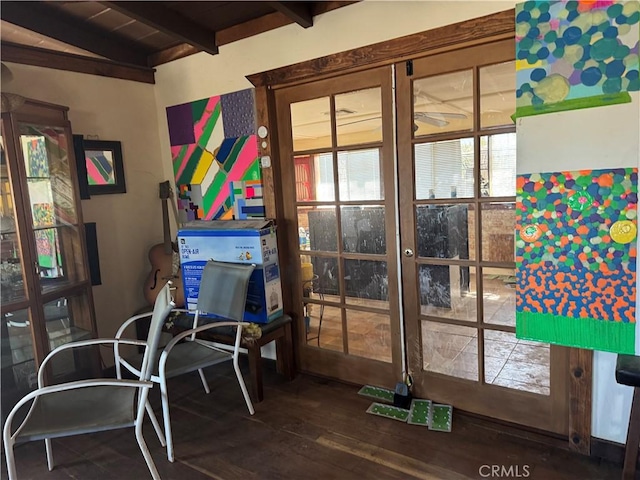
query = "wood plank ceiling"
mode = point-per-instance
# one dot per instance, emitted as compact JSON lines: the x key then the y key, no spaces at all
{"x":139,"y":34}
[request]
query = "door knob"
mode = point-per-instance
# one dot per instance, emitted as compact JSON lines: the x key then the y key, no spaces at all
{"x":408,"y":252}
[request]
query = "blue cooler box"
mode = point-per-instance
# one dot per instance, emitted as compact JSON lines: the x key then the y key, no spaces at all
{"x":235,"y":241}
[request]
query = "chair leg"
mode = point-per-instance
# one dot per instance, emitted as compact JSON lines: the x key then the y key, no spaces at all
{"x":320,"y":323}
{"x":11,"y":461}
{"x":141,"y":443}
{"x":633,"y":438}
{"x":47,"y":446}
{"x":204,"y":381}
{"x":167,"y":421}
{"x":156,"y":425}
{"x":243,"y":387}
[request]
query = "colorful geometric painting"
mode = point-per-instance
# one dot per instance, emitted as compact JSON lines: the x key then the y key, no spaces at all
{"x":572,"y":55}
{"x":213,"y":144}
{"x":35,"y":152}
{"x":576,"y":258}
{"x":100,"y":167}
{"x":246,"y":198}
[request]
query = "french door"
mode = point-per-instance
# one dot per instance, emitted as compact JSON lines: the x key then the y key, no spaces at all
{"x":440,"y":163}
{"x":337,"y":157}
{"x":456,"y":151}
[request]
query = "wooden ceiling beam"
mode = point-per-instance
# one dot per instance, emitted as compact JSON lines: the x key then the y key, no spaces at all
{"x":52,"y":22}
{"x":170,"y":22}
{"x":40,"y":57}
{"x":241,"y":31}
{"x":300,"y":13}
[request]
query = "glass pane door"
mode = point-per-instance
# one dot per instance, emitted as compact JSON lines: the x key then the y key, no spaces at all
{"x":457,"y":149}
{"x":339,"y":168}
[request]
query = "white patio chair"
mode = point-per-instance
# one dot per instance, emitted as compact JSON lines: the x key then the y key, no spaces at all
{"x":94,"y":405}
{"x":223,"y":293}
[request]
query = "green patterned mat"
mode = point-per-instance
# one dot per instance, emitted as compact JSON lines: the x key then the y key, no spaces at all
{"x":388,"y":411}
{"x":419,"y":412}
{"x":377,"y":393}
{"x":441,"y":416}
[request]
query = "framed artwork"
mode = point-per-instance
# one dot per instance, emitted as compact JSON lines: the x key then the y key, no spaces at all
{"x":102,"y":171}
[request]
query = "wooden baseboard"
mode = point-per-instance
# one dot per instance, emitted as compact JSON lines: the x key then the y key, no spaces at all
{"x":607,"y":450}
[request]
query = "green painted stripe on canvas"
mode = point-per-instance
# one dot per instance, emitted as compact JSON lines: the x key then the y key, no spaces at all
{"x":209,"y":126}
{"x":190,"y":167}
{"x":197,"y":109}
{"x":253,"y":172}
{"x":177,"y":161}
{"x":212,"y":192}
{"x":609,"y":336}
{"x":573,"y":104}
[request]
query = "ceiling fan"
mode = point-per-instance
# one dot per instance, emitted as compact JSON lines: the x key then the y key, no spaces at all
{"x":423,"y":113}
{"x":437,"y":119}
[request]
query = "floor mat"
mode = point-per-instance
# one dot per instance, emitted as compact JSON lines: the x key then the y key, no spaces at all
{"x":440,"y":418}
{"x":377,"y":393}
{"x":388,"y":411}
{"x":419,"y":412}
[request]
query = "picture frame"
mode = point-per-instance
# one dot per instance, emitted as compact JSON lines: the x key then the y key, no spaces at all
{"x":100,"y":167}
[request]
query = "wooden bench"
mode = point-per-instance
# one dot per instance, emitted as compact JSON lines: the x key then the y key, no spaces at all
{"x":278,"y":330}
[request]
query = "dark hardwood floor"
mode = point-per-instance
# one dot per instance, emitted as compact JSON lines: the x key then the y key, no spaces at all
{"x":309,"y":428}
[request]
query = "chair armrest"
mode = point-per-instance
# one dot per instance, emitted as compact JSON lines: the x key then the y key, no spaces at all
{"x":84,"y":343}
{"x":130,"y":321}
{"x":94,"y":382}
{"x":202,"y":328}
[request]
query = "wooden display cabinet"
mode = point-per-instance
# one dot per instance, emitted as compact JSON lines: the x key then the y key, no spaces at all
{"x":45,"y":289}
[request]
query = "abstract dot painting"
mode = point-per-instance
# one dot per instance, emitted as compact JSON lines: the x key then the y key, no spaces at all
{"x":574,"y":54}
{"x":576,"y":237}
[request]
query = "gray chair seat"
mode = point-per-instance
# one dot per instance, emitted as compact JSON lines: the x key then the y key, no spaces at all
{"x":74,"y":412}
{"x":185,"y":357}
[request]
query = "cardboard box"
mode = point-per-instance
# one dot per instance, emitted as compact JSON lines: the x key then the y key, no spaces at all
{"x":236,"y":241}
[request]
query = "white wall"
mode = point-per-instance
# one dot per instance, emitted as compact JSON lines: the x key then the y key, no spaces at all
{"x":611,"y":405}
{"x":127,"y":224}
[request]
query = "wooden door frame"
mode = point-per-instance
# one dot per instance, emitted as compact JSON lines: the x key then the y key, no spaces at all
{"x":484,"y":29}
{"x":324,"y":361}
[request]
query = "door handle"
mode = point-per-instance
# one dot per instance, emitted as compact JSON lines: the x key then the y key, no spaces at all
{"x":408,"y":252}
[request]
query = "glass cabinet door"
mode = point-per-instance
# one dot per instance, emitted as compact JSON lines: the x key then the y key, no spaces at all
{"x":45,"y":152}
{"x":46,"y":291}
